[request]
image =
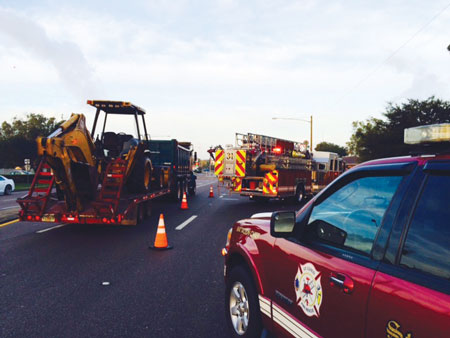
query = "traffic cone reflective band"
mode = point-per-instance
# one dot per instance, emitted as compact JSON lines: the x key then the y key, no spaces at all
{"x":161,"y":237}
{"x":184,"y":204}
{"x":211,"y":191}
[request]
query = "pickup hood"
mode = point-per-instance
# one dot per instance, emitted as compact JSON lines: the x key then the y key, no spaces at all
{"x":262,"y":215}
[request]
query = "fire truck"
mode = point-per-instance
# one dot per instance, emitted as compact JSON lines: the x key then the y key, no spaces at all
{"x":264,"y":167}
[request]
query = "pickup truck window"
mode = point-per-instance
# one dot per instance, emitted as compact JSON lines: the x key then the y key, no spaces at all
{"x":354,"y":213}
{"x":426,"y":247}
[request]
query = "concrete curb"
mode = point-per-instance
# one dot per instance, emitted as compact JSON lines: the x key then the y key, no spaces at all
{"x":9,"y":215}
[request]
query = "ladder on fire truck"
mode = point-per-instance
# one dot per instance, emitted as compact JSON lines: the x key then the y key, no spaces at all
{"x":286,"y":154}
{"x":265,"y":143}
{"x":35,"y":202}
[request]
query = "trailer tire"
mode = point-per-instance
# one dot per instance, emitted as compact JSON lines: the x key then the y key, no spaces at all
{"x":181,"y":190}
{"x":300,"y":194}
{"x":192,"y":190}
{"x":143,"y":212}
{"x":140,"y":179}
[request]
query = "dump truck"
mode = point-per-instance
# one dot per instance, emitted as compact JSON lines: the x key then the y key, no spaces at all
{"x":109,"y":180}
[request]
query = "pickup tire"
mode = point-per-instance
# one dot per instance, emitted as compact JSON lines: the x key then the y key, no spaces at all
{"x":242,"y":311}
{"x":140,"y":179}
{"x":8,"y":189}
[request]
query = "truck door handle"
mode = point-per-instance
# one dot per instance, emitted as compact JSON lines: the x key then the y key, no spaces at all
{"x":342,"y":281}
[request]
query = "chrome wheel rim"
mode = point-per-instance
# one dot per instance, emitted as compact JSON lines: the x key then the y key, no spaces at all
{"x":239,"y":308}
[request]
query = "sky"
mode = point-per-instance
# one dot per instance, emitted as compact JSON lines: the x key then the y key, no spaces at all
{"x":204,"y":70}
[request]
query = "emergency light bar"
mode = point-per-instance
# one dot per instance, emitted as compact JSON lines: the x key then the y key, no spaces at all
{"x":425,"y":134}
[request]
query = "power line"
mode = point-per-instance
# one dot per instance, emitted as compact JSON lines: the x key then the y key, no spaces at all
{"x":379,"y":66}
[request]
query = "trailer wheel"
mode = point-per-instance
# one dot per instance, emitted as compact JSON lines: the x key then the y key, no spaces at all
{"x":181,"y":190}
{"x":143,"y":212}
{"x":192,"y":190}
{"x":300,"y":194}
{"x":141,"y":177}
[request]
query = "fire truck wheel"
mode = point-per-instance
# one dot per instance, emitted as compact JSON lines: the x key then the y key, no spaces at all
{"x":242,"y":305}
{"x":300,"y":193}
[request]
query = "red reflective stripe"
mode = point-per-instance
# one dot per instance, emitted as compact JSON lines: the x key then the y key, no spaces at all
{"x":240,"y":167}
{"x":220,"y":154}
{"x":219,"y":166}
{"x":240,"y":156}
{"x":271,"y":179}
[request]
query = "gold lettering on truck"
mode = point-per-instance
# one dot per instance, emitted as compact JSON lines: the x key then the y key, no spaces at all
{"x":393,"y":330}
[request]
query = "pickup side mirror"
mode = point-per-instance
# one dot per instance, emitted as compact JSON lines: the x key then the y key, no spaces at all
{"x":282,"y":223}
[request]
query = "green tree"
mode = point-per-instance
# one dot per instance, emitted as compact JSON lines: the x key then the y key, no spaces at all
{"x":377,"y":138}
{"x":334,"y":148}
{"x":18,"y":139}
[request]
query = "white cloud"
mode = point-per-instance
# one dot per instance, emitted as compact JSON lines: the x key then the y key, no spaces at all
{"x":227,"y":63}
{"x":65,"y":56}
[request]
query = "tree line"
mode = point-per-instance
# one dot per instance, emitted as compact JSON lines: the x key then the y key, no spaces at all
{"x":370,"y":139}
{"x":18,"y":138}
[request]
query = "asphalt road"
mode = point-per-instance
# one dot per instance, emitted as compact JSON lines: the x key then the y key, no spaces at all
{"x":51,"y":281}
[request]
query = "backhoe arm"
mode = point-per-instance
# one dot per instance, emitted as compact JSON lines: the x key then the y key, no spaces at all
{"x":69,"y":151}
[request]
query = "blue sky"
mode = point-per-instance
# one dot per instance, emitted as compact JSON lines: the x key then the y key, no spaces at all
{"x":204,"y":70}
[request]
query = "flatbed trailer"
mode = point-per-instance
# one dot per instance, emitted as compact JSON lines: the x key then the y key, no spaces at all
{"x":111,"y":181}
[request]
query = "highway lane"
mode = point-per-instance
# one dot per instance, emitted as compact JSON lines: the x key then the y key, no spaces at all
{"x":51,"y":282}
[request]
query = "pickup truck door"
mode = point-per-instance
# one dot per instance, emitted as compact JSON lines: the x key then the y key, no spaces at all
{"x":322,"y":283}
{"x":411,"y":291}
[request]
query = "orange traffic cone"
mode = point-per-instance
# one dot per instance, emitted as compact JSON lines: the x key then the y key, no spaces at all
{"x":161,"y":237}
{"x":211,"y":192}
{"x":184,"y":204}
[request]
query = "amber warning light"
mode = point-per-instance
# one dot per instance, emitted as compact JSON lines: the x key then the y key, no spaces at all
{"x":425,"y":134}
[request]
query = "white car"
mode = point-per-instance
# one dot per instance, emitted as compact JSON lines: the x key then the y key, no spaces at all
{"x":6,"y":185}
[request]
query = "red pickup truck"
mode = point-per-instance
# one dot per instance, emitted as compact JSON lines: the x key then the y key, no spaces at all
{"x":369,"y":256}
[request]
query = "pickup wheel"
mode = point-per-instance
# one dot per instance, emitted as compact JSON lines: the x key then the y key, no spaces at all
{"x":8,"y":189}
{"x":241,"y":304}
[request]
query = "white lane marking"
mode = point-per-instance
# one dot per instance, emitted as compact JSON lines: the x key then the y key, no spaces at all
{"x":9,"y":200}
{"x":16,"y":206}
{"x":230,"y":199}
{"x":48,"y":229}
{"x":205,"y":184}
{"x":186,"y":222}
